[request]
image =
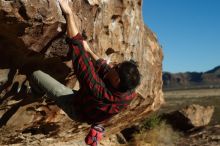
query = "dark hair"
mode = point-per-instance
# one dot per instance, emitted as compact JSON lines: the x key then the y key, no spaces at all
{"x":129,"y":75}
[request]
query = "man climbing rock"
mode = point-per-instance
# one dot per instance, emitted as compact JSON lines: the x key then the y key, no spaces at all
{"x":104,"y":90}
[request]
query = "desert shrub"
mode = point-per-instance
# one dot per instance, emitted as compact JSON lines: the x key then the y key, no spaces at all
{"x":151,"y":122}
{"x":160,"y":135}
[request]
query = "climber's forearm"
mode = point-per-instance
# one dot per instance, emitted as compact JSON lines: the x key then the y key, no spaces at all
{"x":92,"y":54}
{"x":72,"y":30}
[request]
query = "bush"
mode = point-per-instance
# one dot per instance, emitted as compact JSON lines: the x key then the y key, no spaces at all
{"x":155,"y":132}
{"x":151,"y":122}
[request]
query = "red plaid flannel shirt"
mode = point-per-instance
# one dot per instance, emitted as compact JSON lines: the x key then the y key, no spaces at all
{"x":97,"y":100}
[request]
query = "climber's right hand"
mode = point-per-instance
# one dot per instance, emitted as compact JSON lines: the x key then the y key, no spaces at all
{"x":64,"y":4}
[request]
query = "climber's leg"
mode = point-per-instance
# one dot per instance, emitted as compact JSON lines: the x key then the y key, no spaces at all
{"x":63,"y":95}
{"x":44,"y":83}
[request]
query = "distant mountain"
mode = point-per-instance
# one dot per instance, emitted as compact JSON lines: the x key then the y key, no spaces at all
{"x":188,"y":80}
{"x":215,"y":70}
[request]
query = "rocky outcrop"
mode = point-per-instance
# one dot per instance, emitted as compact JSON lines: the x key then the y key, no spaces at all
{"x":198,"y":115}
{"x":33,"y":36}
{"x":192,"y":116}
{"x":188,"y":80}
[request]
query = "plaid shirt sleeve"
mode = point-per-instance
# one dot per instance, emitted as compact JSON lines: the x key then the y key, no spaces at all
{"x":85,"y":70}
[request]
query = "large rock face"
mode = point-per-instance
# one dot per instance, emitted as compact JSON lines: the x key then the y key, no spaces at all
{"x":32,"y":30}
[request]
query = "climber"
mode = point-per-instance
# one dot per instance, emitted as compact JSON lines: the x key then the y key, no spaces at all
{"x":104,"y":90}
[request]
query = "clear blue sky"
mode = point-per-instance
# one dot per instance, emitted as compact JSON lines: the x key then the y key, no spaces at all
{"x":188,"y":30}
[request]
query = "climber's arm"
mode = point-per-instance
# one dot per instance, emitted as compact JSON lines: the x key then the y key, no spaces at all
{"x":92,"y":54}
{"x":72,"y":30}
{"x":71,"y":26}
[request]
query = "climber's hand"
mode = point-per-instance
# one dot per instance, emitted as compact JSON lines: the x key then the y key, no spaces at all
{"x":64,"y":4}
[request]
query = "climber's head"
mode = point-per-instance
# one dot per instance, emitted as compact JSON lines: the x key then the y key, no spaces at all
{"x":124,"y":76}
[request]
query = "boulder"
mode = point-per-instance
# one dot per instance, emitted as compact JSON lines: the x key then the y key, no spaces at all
{"x":32,"y":36}
{"x":198,"y":115}
{"x":192,"y":116}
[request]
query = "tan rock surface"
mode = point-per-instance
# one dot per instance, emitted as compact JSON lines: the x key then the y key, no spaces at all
{"x":32,"y":29}
{"x":198,"y":115}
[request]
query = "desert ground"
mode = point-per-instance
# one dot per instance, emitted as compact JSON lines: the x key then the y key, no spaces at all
{"x":179,"y":98}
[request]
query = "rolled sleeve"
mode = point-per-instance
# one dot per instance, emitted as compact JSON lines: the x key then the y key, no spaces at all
{"x":85,"y":70}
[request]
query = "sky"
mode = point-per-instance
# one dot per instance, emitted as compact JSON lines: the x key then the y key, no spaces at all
{"x":187,"y":30}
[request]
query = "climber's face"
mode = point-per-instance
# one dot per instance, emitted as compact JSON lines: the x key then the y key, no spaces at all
{"x":113,"y":77}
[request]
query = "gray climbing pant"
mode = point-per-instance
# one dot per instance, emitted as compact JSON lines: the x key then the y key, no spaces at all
{"x":64,"y":96}
{"x":45,"y":83}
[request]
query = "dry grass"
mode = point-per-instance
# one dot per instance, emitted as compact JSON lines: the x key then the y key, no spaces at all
{"x":196,"y":93}
{"x":161,"y":135}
